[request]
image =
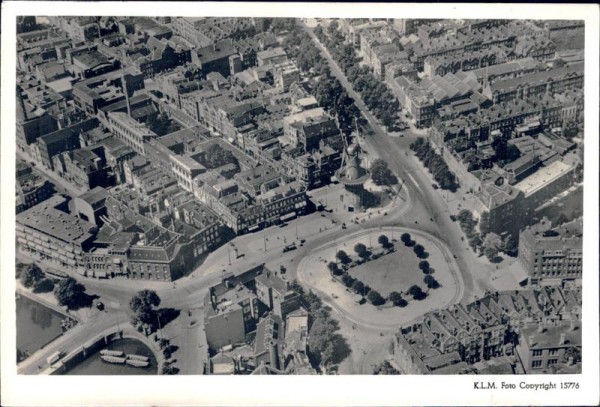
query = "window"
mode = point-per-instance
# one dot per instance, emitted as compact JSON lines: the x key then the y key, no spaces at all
{"x":537,"y":352}
{"x":536,"y":364}
{"x":553,"y":352}
{"x":552,"y":362}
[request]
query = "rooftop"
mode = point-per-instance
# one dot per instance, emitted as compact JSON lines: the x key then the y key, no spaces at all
{"x":48,"y":220}
{"x":543,"y":177}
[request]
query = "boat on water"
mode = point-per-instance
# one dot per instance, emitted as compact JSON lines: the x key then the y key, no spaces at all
{"x":106,"y":352}
{"x":137,"y":363}
{"x":113,"y":359}
{"x":138,"y":357}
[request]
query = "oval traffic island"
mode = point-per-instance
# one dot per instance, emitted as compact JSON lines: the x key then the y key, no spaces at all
{"x":392,"y":270}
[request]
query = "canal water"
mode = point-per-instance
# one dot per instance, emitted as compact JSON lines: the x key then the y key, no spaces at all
{"x":93,"y":365}
{"x":37,"y":325}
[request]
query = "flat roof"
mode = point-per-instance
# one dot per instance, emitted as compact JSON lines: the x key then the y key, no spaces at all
{"x":48,"y":220}
{"x":542,"y":177}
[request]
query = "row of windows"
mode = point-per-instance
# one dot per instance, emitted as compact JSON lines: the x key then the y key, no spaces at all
{"x":537,"y":364}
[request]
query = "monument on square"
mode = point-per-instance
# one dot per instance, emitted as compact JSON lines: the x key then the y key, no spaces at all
{"x":353,"y":176}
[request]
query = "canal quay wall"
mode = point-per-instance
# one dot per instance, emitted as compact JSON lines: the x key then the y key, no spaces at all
{"x":45,"y":303}
{"x":91,"y":347}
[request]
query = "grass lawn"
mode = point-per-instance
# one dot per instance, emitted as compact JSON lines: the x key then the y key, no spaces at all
{"x":392,"y":272}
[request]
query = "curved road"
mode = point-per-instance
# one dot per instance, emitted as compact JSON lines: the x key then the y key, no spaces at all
{"x":431,"y":202}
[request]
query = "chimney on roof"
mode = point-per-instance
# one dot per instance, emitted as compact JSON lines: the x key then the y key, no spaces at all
{"x":572,"y":325}
{"x":531,"y":340}
{"x":540,"y":327}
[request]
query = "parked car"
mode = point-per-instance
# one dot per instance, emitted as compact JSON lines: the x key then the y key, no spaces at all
{"x":289,"y":248}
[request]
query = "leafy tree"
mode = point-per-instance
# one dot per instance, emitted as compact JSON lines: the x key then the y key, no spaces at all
{"x":332,"y":266}
{"x":509,"y":245}
{"x":163,"y":343}
{"x":358,"y":287}
{"x":505,"y":153}
{"x":475,"y":241}
{"x":381,"y":174}
{"x":419,"y":250}
{"x":143,"y":305}
{"x":45,"y":285}
{"x":347,"y":280}
{"x":361,"y":250}
{"x":169,"y":369}
{"x":375,"y":298}
{"x":383,"y":240}
{"x":416,"y":292}
{"x":431,"y":281}
{"x":385,"y":368}
{"x":424,"y":266}
{"x":19,"y":268}
{"x":467,"y":222}
{"x":405,"y":238}
{"x":343,"y":257}
{"x":69,"y":292}
{"x":484,"y":223}
{"x":216,"y":156}
{"x":492,"y":240}
{"x":31,"y":275}
{"x":396,"y":298}
{"x":490,"y":253}
{"x":159,"y":123}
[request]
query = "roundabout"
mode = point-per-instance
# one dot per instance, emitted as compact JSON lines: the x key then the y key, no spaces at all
{"x":385,"y":274}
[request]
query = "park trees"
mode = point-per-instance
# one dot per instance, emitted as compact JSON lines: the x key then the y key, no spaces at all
{"x":435,"y":163}
{"x":420,"y":251}
{"x":431,"y":281}
{"x":375,"y":298}
{"x":385,"y":368}
{"x":467,"y":222}
{"x":347,"y":280}
{"x":424,"y":266}
{"x":361,"y":250}
{"x":384,"y":241}
{"x":396,"y":299}
{"x":143,"y":306}
{"x":325,"y":345}
{"x":333,"y":267}
{"x":30,"y":275}
{"x":405,"y":238}
{"x":510,"y":246}
{"x":416,"y":292}
{"x":45,"y":285}
{"x":70,"y":293}
{"x":358,"y":287}
{"x":492,"y":244}
{"x":484,"y":223}
{"x":381,"y":174}
{"x":343,"y":257}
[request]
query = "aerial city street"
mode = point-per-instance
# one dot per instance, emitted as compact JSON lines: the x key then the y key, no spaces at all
{"x":313,"y":196}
